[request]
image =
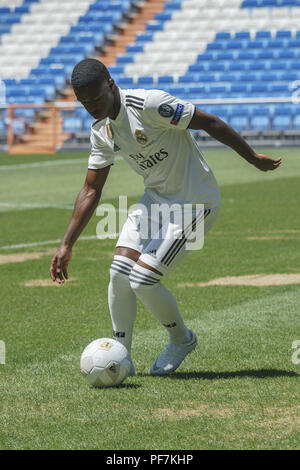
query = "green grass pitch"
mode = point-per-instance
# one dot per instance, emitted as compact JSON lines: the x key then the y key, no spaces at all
{"x":238,"y":390}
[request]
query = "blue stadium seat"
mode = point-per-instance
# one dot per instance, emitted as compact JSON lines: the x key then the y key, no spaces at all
{"x":144,"y":37}
{"x":179,"y":91}
{"x":222,"y":56}
{"x":218,"y":91}
{"x":248,"y":77}
{"x":223,"y":36}
{"x":172,"y":6}
{"x":125,"y":59}
{"x":239,"y":123}
{"x":288,"y":76}
{"x":206,"y":56}
{"x":165,"y":79}
{"x":284,"y":34}
{"x":296,"y":122}
{"x":259,"y":89}
{"x":116,"y":69}
{"x":275,"y":44}
{"x":81,"y":112}
{"x":275,"y":65}
{"x":72,"y":124}
{"x":2,"y":128}
{"x":228,"y":77}
{"x":196,"y":90}
{"x":258,"y":66}
{"x":188,"y":78}
{"x":245,"y":55}
{"x":157,"y":26}
{"x":216,"y":67}
{"x":259,"y":111}
{"x":237,"y":66}
{"x":197,"y":68}
{"x":235,"y":45}
{"x":260,"y":123}
{"x":268,"y":77}
{"x":86,"y":123}
{"x":263,"y":35}
{"x":250,"y":3}
{"x":279,"y":90}
{"x":126,"y":82}
{"x":145,"y":81}
{"x":255,"y":44}
{"x":238,"y":90}
{"x":163,"y":16}
{"x":206,"y":77}
{"x":242,"y":35}
{"x":215,"y":46}
{"x":284,"y":110}
{"x":134,"y":49}
{"x":266,"y":55}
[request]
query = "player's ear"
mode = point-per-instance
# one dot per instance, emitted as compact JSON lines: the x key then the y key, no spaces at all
{"x":111,"y":83}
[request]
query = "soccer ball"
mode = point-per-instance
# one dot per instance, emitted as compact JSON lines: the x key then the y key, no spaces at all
{"x":105,"y":363}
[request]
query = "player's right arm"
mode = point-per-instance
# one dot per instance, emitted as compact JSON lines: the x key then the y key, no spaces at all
{"x":85,"y":205}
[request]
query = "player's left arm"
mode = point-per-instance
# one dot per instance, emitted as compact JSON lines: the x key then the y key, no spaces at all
{"x":220,"y":131}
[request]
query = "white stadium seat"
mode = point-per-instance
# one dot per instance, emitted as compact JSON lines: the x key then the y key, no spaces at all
{"x":49,"y":20}
{"x":280,"y":13}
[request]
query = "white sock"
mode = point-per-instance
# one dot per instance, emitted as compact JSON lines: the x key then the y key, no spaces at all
{"x":161,"y":303}
{"x":122,"y":300}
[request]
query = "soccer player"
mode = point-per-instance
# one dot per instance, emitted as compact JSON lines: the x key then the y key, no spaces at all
{"x":149,"y":129}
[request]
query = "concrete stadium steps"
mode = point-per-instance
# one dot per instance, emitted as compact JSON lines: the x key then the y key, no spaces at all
{"x":138,"y":24}
{"x":43,"y":136}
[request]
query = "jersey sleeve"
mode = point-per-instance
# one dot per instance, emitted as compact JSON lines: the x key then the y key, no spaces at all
{"x":101,"y":154}
{"x":166,"y":111}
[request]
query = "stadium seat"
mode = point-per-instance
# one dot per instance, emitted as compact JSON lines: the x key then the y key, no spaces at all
{"x":260,"y":123}
{"x":296,"y":122}
{"x":239,"y":123}
{"x":281,"y":123}
{"x":231,"y":49}
{"x":72,"y":124}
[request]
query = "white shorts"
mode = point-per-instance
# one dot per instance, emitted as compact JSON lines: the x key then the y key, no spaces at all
{"x":163,"y":241}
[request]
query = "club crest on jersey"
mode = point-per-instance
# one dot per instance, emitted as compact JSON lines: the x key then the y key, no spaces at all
{"x":140,"y":137}
{"x":109,"y":131}
{"x":165,"y":110}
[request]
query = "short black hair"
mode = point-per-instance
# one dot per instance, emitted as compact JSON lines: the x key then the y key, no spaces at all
{"x":87,"y":72}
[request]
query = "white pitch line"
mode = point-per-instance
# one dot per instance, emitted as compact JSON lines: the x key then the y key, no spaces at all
{"x":24,"y":205}
{"x":20,"y":166}
{"x":55,"y":242}
{"x":28,"y":206}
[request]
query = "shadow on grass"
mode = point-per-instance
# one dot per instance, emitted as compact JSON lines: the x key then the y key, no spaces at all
{"x":128,"y":386}
{"x":116,"y":387}
{"x":254,"y":373}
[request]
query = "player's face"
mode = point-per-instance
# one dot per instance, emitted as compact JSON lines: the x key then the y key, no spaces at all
{"x":99,"y":100}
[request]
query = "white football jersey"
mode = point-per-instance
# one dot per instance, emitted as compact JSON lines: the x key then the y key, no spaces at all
{"x":150,"y":133}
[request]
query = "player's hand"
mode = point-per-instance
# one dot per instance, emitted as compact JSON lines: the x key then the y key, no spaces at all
{"x":59,"y":264}
{"x":264,"y":163}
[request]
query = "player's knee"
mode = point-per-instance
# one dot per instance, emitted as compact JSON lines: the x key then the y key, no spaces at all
{"x":143,"y":279}
{"x":119,"y":271}
{"x":116,"y":276}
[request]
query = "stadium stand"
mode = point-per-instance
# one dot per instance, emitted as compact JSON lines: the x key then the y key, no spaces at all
{"x":43,"y":44}
{"x":237,"y":59}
